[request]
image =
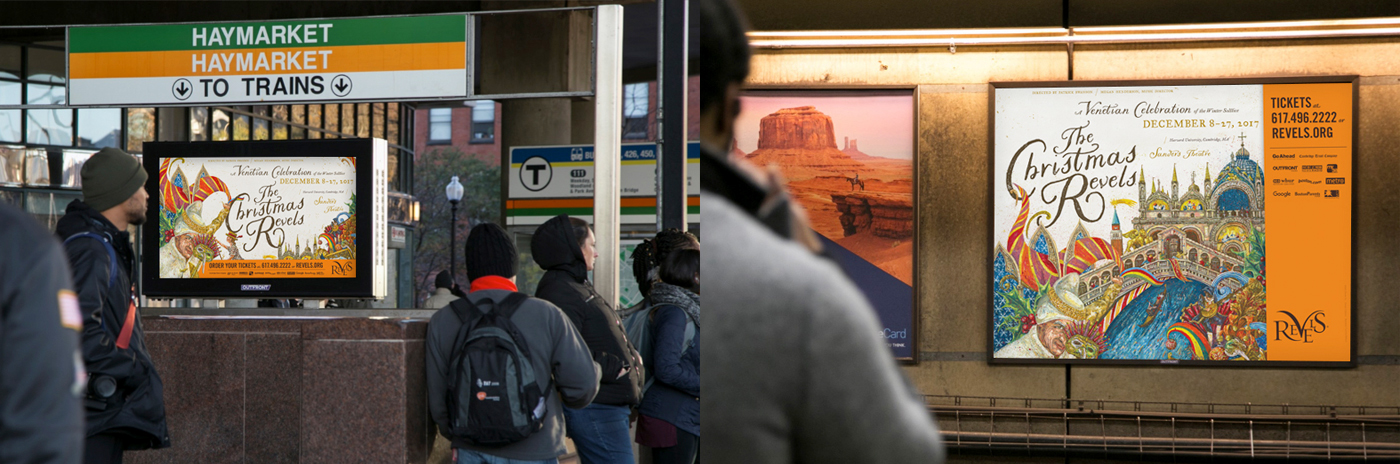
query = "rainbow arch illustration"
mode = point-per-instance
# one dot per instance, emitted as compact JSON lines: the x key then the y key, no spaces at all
{"x":1200,"y":345}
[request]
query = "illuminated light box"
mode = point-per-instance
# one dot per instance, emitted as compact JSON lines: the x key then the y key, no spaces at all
{"x":286,"y":218}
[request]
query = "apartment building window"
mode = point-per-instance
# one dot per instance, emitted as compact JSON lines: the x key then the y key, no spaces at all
{"x":484,"y":122}
{"x":439,"y":126}
{"x":634,"y":111}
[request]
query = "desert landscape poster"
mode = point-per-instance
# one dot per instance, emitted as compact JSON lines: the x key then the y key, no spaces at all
{"x":848,"y":158}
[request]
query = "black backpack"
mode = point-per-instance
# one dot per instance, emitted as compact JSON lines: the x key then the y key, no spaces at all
{"x":493,"y":397}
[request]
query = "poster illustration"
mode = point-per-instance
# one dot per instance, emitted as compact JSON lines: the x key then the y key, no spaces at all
{"x":257,"y":218}
{"x":848,"y":158}
{"x":1171,"y":223}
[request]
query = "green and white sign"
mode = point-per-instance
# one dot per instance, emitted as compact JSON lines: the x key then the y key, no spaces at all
{"x":406,"y":57}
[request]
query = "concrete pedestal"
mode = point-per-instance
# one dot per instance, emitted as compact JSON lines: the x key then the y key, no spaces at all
{"x":289,"y":389}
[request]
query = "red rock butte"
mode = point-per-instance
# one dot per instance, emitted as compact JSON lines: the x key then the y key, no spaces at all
{"x":801,"y":140}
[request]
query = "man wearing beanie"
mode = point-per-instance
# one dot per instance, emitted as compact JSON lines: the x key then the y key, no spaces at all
{"x":125,"y":407}
{"x":560,"y":359}
{"x":442,"y":292}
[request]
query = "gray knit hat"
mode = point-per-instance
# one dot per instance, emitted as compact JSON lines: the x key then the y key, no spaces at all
{"x":110,"y":177}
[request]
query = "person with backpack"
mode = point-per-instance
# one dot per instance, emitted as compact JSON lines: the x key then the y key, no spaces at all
{"x":502,"y":366}
{"x":565,"y":248}
{"x":670,"y":411}
{"x":645,"y":268}
{"x":644,"y":272}
{"x":125,"y":398}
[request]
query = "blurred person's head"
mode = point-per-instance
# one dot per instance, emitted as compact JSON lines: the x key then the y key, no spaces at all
{"x":490,"y":252}
{"x":682,"y":269}
{"x":644,"y":266}
{"x":443,"y":280}
{"x":726,"y":51}
{"x":670,"y":240}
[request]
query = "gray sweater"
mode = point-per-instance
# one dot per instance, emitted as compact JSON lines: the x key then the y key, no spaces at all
{"x":557,"y":351}
{"x":794,"y":371}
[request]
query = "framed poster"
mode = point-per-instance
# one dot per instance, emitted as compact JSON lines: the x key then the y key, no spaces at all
{"x":1202,"y":222}
{"x":848,"y":157}
{"x":286,"y":218}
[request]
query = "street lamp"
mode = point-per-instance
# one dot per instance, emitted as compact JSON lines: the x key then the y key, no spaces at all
{"x":454,"y":195}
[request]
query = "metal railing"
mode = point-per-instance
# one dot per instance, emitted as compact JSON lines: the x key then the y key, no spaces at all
{"x":1142,"y":429}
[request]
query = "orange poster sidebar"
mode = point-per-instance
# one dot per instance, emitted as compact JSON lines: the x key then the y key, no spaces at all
{"x":279,"y":268}
{"x":1308,"y":169}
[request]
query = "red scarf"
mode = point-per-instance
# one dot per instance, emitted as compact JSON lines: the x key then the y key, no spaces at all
{"x":492,"y":282}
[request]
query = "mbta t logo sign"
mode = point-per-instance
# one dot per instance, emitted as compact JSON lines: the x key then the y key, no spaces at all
{"x":535,"y":173}
{"x":1299,"y":331}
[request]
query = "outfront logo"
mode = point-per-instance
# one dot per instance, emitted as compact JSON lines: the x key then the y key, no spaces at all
{"x":256,"y":287}
{"x":1299,"y":331}
{"x":1286,"y":168}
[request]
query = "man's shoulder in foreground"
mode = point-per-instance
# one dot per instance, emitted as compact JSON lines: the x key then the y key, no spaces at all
{"x":828,"y":387}
{"x":772,"y":271}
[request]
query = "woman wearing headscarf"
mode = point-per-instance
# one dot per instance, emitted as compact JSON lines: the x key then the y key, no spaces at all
{"x":566,"y":249}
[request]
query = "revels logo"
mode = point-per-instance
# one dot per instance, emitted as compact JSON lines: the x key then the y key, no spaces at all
{"x":1285,"y":168}
{"x":1312,"y":168}
{"x":1296,"y":330}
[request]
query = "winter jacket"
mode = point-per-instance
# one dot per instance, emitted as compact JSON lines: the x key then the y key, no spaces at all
{"x":674,"y":395}
{"x":137,"y":410}
{"x":558,"y":355}
{"x":41,"y":412}
{"x":440,"y":299}
{"x":565,"y":283}
{"x":793,"y":373}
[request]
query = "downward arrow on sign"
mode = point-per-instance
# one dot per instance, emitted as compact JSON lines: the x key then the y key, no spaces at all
{"x":182,"y":89}
{"x":340,"y":86}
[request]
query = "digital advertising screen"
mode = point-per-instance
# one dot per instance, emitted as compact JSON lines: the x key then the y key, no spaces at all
{"x":269,"y":218}
{"x":1173,"y":222}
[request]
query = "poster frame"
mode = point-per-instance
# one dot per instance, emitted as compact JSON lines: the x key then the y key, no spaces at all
{"x":912,"y":91}
{"x":1354,"y":80}
{"x":360,"y":286}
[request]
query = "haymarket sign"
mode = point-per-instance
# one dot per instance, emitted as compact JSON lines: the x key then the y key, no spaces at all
{"x":389,"y":58}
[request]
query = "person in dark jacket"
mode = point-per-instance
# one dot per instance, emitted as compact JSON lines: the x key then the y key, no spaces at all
{"x":670,"y":412}
{"x":125,"y":405}
{"x":565,"y":248}
{"x":41,"y":412}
